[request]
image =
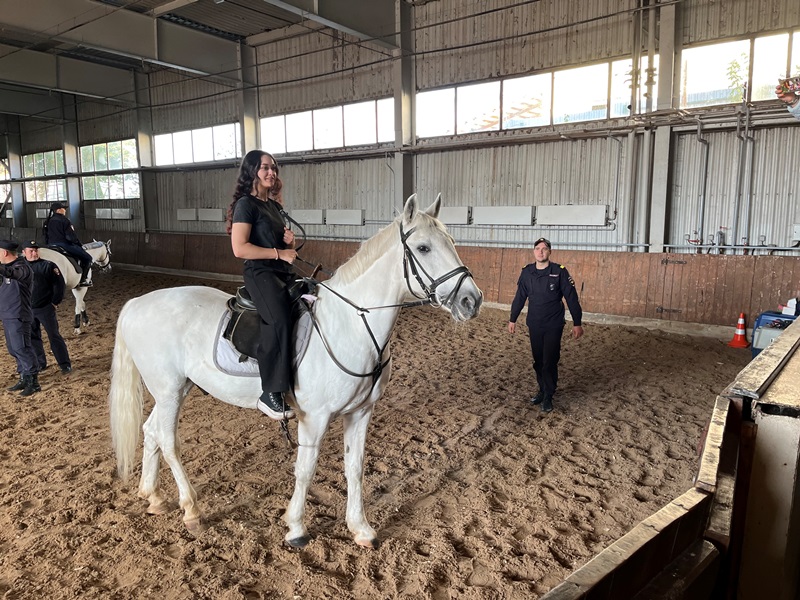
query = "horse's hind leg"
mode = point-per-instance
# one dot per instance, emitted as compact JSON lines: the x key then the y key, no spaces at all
{"x":355,"y":435}
{"x":148,"y":484}
{"x":166,"y":425}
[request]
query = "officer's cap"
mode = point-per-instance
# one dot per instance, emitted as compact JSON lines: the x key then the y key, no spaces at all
{"x":30,"y":244}
{"x":544,"y":241}
{"x":8,"y":245}
{"x":56,"y":206}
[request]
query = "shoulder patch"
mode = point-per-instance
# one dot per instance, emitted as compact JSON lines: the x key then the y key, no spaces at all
{"x":56,"y":271}
{"x":562,"y":266}
{"x":571,"y":281}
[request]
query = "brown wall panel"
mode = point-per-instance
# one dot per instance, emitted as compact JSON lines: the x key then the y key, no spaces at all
{"x":710,"y":289}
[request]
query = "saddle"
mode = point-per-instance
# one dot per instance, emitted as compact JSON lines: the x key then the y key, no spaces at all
{"x":72,"y":260}
{"x":243,"y":330}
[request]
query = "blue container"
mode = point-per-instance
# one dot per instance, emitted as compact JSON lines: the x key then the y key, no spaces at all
{"x":768,"y":326}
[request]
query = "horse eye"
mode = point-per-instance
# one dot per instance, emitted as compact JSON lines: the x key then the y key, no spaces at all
{"x":423,"y":249}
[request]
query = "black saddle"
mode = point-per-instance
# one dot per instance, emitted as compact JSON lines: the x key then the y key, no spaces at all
{"x":72,"y":260}
{"x":244,"y":327}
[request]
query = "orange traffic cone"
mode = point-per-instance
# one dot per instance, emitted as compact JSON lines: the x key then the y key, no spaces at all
{"x":739,"y":338}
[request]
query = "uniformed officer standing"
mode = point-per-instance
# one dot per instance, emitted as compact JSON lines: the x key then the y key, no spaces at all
{"x":544,"y":285}
{"x":47,"y":293}
{"x":16,"y":315}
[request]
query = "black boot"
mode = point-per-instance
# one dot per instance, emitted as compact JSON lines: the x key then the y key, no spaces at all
{"x":537,"y":399}
{"x":31,"y":385}
{"x":20,"y":385}
{"x":547,"y":404}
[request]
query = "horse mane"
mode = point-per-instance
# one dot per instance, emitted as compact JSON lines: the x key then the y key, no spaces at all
{"x":376,"y":246}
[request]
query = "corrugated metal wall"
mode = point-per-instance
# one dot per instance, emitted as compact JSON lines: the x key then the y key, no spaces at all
{"x":705,"y":21}
{"x":193,"y":189}
{"x":40,"y":136}
{"x":773,"y":207}
{"x":102,"y":122}
{"x":578,"y":172}
{"x":181,"y":102}
{"x":289,"y":72}
{"x":527,"y":38}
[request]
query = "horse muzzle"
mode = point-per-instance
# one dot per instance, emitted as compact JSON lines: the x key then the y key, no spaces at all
{"x":465,"y":302}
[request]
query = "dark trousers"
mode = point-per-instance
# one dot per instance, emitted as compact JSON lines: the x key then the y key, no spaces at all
{"x":18,"y":342}
{"x":546,"y":350}
{"x":274,"y":355}
{"x":46,"y":317}
{"x":78,"y":253}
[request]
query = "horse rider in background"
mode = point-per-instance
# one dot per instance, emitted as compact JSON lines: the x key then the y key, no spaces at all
{"x":17,"y":316}
{"x":59,"y":231}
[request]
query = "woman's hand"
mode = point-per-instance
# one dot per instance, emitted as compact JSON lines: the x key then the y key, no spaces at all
{"x":288,"y":236}
{"x":288,"y":255}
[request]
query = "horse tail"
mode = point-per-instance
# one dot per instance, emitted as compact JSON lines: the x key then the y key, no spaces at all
{"x":126,"y":402}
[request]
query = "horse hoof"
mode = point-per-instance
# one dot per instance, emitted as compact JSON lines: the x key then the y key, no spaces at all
{"x":195,"y":526}
{"x":299,"y":542}
{"x":373,"y":543}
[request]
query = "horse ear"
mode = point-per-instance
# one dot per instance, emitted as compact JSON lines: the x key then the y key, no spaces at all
{"x":410,"y":209}
{"x":433,"y":209}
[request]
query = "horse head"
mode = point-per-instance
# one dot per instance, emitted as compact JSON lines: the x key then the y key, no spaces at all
{"x":431,"y":265}
{"x":103,"y":257}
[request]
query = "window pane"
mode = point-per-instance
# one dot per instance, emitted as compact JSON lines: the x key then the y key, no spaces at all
{"x":580,"y":94}
{"x":328,"y":128}
{"x":714,"y":74}
{"x":436,"y":113}
{"x":89,"y":189}
{"x":643,"y":81}
{"x":795,"y":62}
{"x":129,"y":158}
{"x":203,"y":144}
{"x":100,"y":157}
{"x":766,"y":73}
{"x":51,"y":190}
{"x":273,"y":134}
{"x":238,"y":140}
{"x":114,"y":155}
{"x":41,"y":191}
{"x":4,"y":174}
{"x":59,"y":162}
{"x":360,"y":125}
{"x":30,"y":191}
{"x":101,"y":186}
{"x":478,"y":107}
{"x":526,"y":101}
{"x":38,"y":164}
{"x":62,"y":189}
{"x":27,"y":165}
{"x":116,"y":188}
{"x":49,"y":163}
{"x":87,"y":158}
{"x":163,"y":145}
{"x":182,"y":147}
{"x":299,"y":132}
{"x":131,"y":183}
{"x":225,"y":141}
{"x":385,"y":120}
{"x":621,"y":80}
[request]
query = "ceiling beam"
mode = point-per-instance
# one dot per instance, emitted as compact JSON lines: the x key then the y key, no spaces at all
{"x":170,"y":6}
{"x":372,"y":20}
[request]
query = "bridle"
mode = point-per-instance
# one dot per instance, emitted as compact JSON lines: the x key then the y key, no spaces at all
{"x":105,"y":266}
{"x":410,"y":264}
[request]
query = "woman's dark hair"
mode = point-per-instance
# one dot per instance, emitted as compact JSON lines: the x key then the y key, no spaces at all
{"x":244,"y":183}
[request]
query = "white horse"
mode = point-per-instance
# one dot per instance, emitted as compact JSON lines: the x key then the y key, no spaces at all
{"x":413,"y":257}
{"x":101,"y":255}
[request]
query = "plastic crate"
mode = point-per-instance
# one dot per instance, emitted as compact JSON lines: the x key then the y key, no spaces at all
{"x":768,"y":326}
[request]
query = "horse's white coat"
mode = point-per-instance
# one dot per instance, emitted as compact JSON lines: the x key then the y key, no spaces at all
{"x":167,"y":338}
{"x":100,"y":253}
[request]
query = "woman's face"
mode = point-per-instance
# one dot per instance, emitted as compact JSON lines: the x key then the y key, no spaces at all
{"x":265,"y":176}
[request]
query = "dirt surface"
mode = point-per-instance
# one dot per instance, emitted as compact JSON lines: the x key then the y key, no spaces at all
{"x":473,"y":491}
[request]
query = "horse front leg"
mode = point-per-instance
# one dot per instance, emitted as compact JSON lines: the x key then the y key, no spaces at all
{"x":80,"y":309}
{"x":309,"y":436}
{"x":355,"y":437}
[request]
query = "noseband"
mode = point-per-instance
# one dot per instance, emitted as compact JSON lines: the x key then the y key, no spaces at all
{"x":411,"y":263}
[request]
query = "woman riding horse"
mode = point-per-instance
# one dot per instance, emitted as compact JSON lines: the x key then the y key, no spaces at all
{"x":59,"y":231}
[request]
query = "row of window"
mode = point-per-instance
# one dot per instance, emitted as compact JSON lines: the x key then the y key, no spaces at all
{"x":727,"y":72}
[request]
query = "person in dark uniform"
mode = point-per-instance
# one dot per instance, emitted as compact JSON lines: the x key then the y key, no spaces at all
{"x":16,"y":315}
{"x":59,"y":231}
{"x":46,"y":294}
{"x":260,"y":236}
{"x":544,"y":285}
